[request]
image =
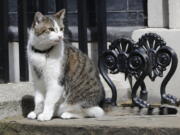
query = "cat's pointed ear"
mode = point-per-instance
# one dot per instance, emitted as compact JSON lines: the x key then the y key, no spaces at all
{"x":38,"y":17}
{"x":60,"y":14}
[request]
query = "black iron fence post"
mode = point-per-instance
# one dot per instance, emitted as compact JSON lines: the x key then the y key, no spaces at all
{"x":4,"y":58}
{"x":22,"y":29}
{"x":101,"y":25}
{"x":82,"y":25}
{"x":60,"y":4}
{"x":43,"y":6}
{"x":102,"y":46}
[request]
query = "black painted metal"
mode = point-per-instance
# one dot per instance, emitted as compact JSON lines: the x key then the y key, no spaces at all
{"x":43,"y":6}
{"x":138,"y":64}
{"x":101,"y":25}
{"x":4,"y":58}
{"x":148,"y":57}
{"x":103,"y":71}
{"x":60,"y":4}
{"x":165,"y":56}
{"x":144,"y":92}
{"x":22,"y":28}
{"x":82,"y":25}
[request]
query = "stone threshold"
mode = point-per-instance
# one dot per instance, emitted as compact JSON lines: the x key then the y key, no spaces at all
{"x":14,"y":97}
{"x":16,"y":102}
{"x":114,"y":124}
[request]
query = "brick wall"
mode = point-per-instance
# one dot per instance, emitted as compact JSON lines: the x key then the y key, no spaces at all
{"x":126,"y":12}
{"x":119,"y":12}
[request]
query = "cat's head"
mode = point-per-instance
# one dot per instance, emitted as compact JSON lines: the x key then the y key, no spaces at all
{"x":47,"y":30}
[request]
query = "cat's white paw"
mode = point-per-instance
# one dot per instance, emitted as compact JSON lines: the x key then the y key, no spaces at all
{"x":32,"y":115}
{"x":66,"y":115}
{"x":44,"y":117}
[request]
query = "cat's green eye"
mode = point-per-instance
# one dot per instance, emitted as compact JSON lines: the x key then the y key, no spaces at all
{"x":51,"y":29}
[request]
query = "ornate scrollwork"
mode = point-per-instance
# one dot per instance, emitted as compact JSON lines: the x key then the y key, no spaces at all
{"x":115,"y":60}
{"x":136,"y":63}
{"x":122,"y":48}
{"x":148,"y":57}
{"x":163,"y":58}
{"x":110,"y":61}
{"x":151,"y":43}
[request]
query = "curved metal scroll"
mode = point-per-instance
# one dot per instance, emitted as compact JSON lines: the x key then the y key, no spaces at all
{"x":138,"y":63}
{"x":115,"y":60}
{"x":165,"y":57}
{"x":104,"y":61}
{"x":148,"y":57}
{"x":151,"y":43}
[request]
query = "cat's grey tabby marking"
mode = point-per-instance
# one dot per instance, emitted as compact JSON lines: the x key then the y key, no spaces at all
{"x":66,"y":82}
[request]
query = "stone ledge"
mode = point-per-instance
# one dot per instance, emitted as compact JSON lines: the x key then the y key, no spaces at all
{"x":121,"y":120}
{"x":17,"y":98}
{"x":11,"y":95}
{"x":14,"y":95}
{"x":113,"y":124}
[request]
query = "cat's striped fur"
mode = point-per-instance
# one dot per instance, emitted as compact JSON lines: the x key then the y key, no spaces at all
{"x":66,"y":81}
{"x":81,"y":79}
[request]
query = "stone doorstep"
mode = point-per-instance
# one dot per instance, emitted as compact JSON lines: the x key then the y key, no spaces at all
{"x":121,"y":121}
{"x":112,"y":124}
{"x":11,"y":96}
{"x":17,"y":98}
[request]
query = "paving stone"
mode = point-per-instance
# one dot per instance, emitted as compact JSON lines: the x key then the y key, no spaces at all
{"x":112,"y":124}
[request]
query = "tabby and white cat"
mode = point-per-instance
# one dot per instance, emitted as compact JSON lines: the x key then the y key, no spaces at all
{"x":66,"y":82}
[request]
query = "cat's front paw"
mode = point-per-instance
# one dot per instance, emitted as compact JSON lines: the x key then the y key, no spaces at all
{"x":44,"y":117}
{"x":32,"y":115}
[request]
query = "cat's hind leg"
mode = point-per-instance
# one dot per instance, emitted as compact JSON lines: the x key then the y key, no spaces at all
{"x":92,"y":112}
{"x":67,"y":111}
{"x":70,"y":115}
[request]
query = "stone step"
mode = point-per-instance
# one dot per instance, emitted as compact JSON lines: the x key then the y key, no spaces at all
{"x":17,"y":98}
{"x":11,"y":95}
{"x":16,"y":102}
{"x":116,"y":124}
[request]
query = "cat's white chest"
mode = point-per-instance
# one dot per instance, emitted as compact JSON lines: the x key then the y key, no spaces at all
{"x":50,"y":65}
{"x":38,"y":60}
{"x":52,"y":69}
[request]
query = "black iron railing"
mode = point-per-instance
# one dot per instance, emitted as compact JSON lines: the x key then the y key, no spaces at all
{"x":23,"y":23}
{"x":149,"y":57}
{"x":4,"y":60}
{"x":22,"y":30}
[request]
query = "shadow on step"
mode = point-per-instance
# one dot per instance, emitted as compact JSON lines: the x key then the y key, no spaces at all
{"x":27,"y":104}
